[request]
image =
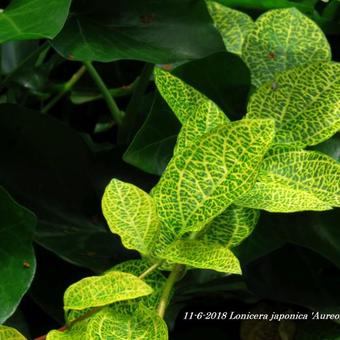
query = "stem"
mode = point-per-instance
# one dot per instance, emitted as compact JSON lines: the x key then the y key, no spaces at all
{"x":115,"y":112}
{"x":31,"y":56}
{"x":130,"y":120}
{"x":172,"y":279}
{"x":66,"y":88}
{"x":150,"y":270}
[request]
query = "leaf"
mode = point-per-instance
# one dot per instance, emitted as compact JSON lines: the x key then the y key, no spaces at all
{"x":131,"y":213}
{"x":295,"y":181}
{"x":233,"y":25}
{"x":96,"y":291}
{"x":142,"y":324}
{"x":131,"y":29}
{"x":155,"y":280}
{"x":184,"y":100}
{"x":208,"y":76}
{"x":283,"y":39}
{"x":304,"y":103}
{"x":204,"y":179}
{"x":232,"y":226}
{"x":202,"y":254}
{"x":59,"y":186}
{"x":330,"y":147}
{"x":17,"y":260}
{"x":9,"y":333}
{"x":78,"y":331}
{"x":152,"y":146}
{"x":33,"y":19}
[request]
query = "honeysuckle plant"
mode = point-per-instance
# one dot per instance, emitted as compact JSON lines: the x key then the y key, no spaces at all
{"x":221,"y":175}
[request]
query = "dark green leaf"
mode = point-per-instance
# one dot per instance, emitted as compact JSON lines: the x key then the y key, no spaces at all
{"x":49,"y":167}
{"x":17,"y":260}
{"x":33,"y":19}
{"x":153,"y":145}
{"x":154,"y":31}
{"x":223,"y":77}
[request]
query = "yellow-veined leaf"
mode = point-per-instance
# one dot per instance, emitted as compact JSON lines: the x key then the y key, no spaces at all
{"x":102,"y":290}
{"x":305,"y":103}
{"x":295,"y":181}
{"x":232,"y":24}
{"x":203,"y":180}
{"x":130,"y":212}
{"x":232,"y":226}
{"x":203,"y":254}
{"x":283,"y":39}
{"x":9,"y":333}
{"x":142,"y":324}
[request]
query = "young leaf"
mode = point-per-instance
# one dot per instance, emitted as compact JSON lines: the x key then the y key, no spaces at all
{"x":130,"y":212}
{"x":233,"y":25}
{"x":155,"y":280}
{"x":143,"y":324}
{"x":183,"y":99}
{"x":283,"y":39}
{"x":305,"y":104}
{"x":9,"y":333}
{"x":232,"y":226}
{"x":204,"y":179}
{"x":76,"y":332}
{"x":295,"y":181}
{"x":203,"y":254}
{"x":33,"y":19}
{"x":102,"y":290}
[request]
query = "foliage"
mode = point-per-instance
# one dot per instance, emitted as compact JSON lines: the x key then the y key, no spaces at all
{"x":244,"y":107}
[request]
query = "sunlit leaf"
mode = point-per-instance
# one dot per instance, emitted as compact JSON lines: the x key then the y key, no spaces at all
{"x":9,"y":333}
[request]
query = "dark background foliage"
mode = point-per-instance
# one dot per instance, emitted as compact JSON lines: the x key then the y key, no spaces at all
{"x":56,"y":165}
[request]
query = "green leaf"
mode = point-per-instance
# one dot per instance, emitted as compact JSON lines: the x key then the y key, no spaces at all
{"x":204,"y":179}
{"x":232,"y":226}
{"x":102,"y":290}
{"x":155,"y":280}
{"x":304,"y":103}
{"x":330,"y":147}
{"x":17,"y":260}
{"x":233,"y":25}
{"x":33,"y":19}
{"x":152,"y":146}
{"x":114,"y":324}
{"x":62,"y":183}
{"x":295,"y":181}
{"x":283,"y":39}
{"x":131,"y":29}
{"x":131,"y":213}
{"x":185,"y":101}
{"x":202,"y":254}
{"x":9,"y":333}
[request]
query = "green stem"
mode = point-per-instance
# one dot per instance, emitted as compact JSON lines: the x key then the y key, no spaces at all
{"x":114,"y":110}
{"x":150,"y":269}
{"x":65,"y":89}
{"x":130,"y":121}
{"x":174,"y":276}
{"x":31,"y":56}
